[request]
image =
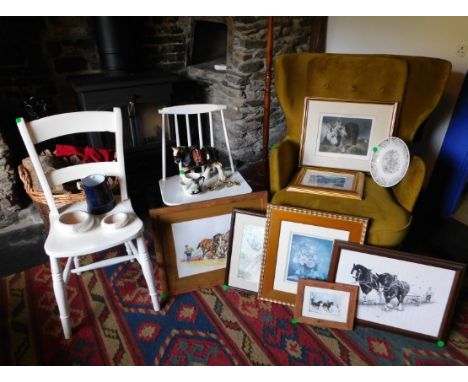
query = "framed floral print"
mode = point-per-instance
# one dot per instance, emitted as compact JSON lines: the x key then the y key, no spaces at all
{"x":244,"y":262}
{"x":299,"y":244}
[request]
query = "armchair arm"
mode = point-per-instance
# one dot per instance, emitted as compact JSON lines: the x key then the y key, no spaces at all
{"x":283,"y":164}
{"x":406,"y":192}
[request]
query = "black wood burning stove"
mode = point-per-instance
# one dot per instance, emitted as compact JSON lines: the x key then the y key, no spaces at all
{"x":139,"y":95}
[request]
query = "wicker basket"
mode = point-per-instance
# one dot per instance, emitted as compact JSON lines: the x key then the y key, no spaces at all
{"x":39,"y":199}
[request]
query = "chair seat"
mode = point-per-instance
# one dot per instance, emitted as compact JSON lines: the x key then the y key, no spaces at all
{"x":173,"y":194}
{"x":60,"y":244}
{"x":389,"y":222}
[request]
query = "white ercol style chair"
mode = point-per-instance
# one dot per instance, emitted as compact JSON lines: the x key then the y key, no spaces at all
{"x":60,"y":244}
{"x":171,"y":190}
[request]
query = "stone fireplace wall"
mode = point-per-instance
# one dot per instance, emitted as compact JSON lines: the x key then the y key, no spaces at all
{"x":9,"y":206}
{"x":168,"y":42}
{"x":39,"y":54}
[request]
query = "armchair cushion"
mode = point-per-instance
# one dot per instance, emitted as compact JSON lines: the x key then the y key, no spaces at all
{"x":389,"y":221}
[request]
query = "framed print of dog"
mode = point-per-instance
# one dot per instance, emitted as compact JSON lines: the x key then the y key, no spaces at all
{"x":342,"y":133}
{"x":398,"y":291}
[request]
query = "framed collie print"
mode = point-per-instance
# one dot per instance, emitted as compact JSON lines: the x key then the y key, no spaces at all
{"x":299,"y":244}
{"x":342,"y":134}
{"x":399,"y":291}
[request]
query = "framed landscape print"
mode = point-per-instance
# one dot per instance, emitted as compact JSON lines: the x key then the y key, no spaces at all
{"x":331,"y":182}
{"x":194,"y":239}
{"x":341,"y":134}
{"x":399,"y":291}
{"x":299,"y":244}
{"x":244,"y":261}
{"x":326,"y":304}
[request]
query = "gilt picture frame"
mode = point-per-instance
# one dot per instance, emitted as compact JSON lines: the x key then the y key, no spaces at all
{"x":328,"y":181}
{"x":192,"y":240}
{"x":244,"y":261}
{"x":298,"y":244}
{"x":342,"y":133}
{"x":397,"y":289}
{"x":324,"y":304}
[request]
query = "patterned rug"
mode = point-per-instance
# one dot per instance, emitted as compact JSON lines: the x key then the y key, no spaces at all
{"x":113,"y":324}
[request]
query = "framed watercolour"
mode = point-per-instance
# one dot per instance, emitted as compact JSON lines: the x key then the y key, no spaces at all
{"x":193,"y":240}
{"x":332,"y":182}
{"x":298,"y":244}
{"x":245,"y":253}
{"x":326,"y":304}
{"x":342,"y":134}
{"x":402,"y":292}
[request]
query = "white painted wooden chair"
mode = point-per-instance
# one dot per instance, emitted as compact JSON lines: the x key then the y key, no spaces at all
{"x":72,"y":246}
{"x":171,"y":191}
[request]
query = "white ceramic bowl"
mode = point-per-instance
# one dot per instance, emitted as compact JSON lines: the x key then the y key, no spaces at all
{"x":115,"y":221}
{"x":75,"y":221}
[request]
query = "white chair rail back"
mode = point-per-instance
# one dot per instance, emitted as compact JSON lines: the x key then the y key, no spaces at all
{"x":71,"y":123}
{"x":187,"y":111}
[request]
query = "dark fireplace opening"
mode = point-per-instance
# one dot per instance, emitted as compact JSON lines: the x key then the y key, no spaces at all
{"x":209,"y":43}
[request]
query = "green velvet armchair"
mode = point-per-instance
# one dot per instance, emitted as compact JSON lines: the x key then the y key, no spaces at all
{"x":416,"y":83}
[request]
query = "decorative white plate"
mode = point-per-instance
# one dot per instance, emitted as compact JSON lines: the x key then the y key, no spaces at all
{"x":389,"y":162}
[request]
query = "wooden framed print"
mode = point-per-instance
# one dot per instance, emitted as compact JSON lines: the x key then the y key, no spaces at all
{"x":244,"y":262}
{"x":299,"y":244}
{"x":194,"y":239}
{"x":401,"y":292}
{"x":342,"y":133}
{"x":326,"y":304}
{"x":331,"y":182}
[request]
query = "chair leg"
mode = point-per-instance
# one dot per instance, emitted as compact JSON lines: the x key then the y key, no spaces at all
{"x":144,"y":260}
{"x":61,"y":296}
{"x":129,"y":251}
{"x":76,"y":262}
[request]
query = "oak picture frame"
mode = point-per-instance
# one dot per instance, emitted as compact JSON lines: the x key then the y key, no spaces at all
{"x":289,"y":230}
{"x":325,"y":304}
{"x":168,"y":220}
{"x":429,"y":288}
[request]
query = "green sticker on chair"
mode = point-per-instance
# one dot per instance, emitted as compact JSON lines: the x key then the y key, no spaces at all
{"x":164,"y":296}
{"x":225,"y":287}
{"x":294,"y":320}
{"x":19,"y":119}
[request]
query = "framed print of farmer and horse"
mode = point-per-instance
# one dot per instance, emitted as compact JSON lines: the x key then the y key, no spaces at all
{"x":193,"y":240}
{"x":401,"y":292}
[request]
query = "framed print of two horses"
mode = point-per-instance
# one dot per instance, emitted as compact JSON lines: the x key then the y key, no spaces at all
{"x":402,"y":292}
